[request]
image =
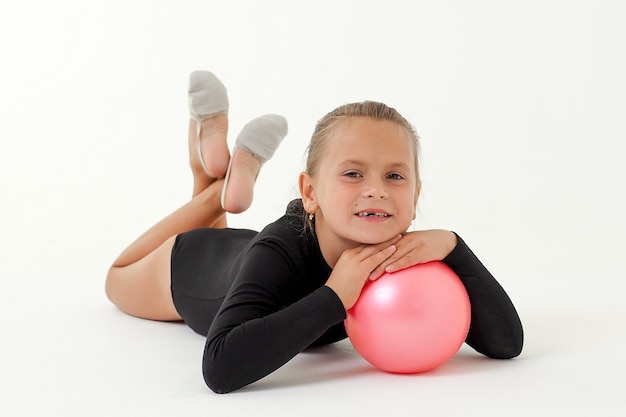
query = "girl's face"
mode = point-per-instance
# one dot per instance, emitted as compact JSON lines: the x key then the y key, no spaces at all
{"x":365,"y":188}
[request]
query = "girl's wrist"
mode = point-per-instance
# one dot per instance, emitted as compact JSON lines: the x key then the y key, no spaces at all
{"x":450,"y":243}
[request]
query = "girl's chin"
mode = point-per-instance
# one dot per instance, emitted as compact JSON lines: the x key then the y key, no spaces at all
{"x":376,"y":239}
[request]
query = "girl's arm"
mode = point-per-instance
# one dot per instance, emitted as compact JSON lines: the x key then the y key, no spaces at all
{"x":266,"y":319}
{"x":277,"y":307}
{"x":495,"y":329}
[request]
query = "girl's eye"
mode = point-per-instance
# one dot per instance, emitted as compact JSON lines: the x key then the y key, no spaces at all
{"x":395,"y":176}
{"x":352,"y":174}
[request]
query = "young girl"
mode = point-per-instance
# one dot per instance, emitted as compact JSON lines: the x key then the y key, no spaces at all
{"x":261,"y":298}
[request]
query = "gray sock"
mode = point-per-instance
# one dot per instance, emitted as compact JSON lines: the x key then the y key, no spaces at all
{"x":207,"y":96}
{"x":262,"y":136}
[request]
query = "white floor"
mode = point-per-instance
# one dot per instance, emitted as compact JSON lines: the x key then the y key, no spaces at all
{"x":66,"y":350}
{"x":520,"y":108}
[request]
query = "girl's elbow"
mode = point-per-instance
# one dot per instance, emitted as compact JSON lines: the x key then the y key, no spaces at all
{"x":220,"y":378}
{"x":217,"y":388}
{"x":499,"y":346}
{"x":214,"y":380}
{"x":507,"y":351}
{"x":509,"y":347}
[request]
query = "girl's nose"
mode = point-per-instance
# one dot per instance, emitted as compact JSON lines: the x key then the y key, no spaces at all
{"x":375,"y":189}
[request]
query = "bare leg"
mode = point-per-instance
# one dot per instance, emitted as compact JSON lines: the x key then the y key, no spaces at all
{"x":238,"y":195}
{"x":139,"y":280}
{"x":213,"y":134}
{"x":255,"y":144}
{"x":204,"y":210}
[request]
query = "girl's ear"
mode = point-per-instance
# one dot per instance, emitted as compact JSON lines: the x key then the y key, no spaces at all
{"x":307,"y":192}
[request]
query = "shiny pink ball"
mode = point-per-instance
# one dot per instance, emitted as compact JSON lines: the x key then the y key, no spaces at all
{"x":412,"y":320}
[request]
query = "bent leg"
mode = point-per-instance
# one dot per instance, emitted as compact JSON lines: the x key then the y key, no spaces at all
{"x":204,"y":210}
{"x":142,"y":289}
{"x":139,"y":280}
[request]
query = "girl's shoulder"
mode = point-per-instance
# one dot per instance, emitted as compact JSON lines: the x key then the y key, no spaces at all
{"x":295,"y":208}
{"x":291,"y":225}
{"x":290,"y":235}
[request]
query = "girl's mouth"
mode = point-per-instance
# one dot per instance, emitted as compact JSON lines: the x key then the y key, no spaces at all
{"x":371,"y":214}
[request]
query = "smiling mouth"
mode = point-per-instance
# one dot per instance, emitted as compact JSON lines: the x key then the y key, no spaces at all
{"x":367,"y":214}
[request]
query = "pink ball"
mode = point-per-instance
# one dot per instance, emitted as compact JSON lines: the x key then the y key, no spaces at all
{"x":412,"y":320}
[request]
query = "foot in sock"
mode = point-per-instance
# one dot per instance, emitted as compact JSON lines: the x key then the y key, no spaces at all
{"x":208,"y":108}
{"x":256,"y":143}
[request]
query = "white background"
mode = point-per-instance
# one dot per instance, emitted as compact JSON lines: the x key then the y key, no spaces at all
{"x":521,"y":106}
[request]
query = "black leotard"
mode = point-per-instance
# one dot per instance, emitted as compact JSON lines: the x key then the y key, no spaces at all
{"x":261,"y":299}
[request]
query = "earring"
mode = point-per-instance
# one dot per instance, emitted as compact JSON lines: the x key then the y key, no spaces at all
{"x":311,"y":216}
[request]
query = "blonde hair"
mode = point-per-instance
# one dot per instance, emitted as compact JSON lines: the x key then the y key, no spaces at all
{"x":327,"y":124}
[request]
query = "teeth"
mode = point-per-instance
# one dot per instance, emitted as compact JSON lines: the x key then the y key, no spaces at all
{"x":366,"y":214}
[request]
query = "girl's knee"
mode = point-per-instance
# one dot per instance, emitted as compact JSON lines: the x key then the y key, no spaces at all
{"x":141,"y":292}
{"x":112,"y":285}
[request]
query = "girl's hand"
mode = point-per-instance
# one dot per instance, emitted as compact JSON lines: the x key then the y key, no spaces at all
{"x":416,"y":248}
{"x":355,"y":266}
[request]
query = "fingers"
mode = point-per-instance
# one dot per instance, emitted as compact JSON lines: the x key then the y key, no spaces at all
{"x":352,"y":269}
{"x":370,"y":257}
{"x":411,"y":251}
{"x":400,"y":259}
{"x":399,"y":262}
{"x":376,"y":255}
{"x":418,"y":247}
{"x":378,"y":258}
{"x":391,"y":264}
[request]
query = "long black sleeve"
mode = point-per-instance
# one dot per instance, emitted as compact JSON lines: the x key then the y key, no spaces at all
{"x":276,"y":308}
{"x":495,"y":329}
{"x":258,"y":347}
